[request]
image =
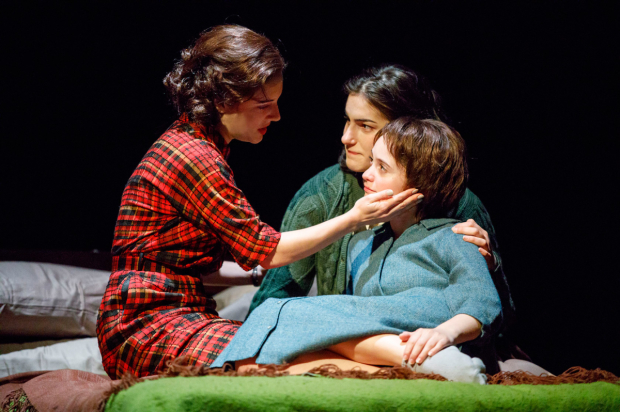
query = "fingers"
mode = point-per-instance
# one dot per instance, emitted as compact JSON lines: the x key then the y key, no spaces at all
{"x":423,"y":343}
{"x":467,"y":230}
{"x":470,"y":228}
{"x":383,"y":203}
{"x":416,"y":345}
{"x":431,"y":348}
{"x":485,"y":253}
{"x":417,"y":349}
{"x":490,"y":259}
{"x":405,"y":336}
{"x":474,"y":234}
{"x":379,"y":207}
{"x":412,"y":202}
{"x":484,"y":249}
{"x":413,"y":338}
{"x":463,"y":225}
{"x":379,"y":196}
{"x":378,"y":199}
{"x":406,"y":193}
{"x":404,"y":197}
{"x":470,"y":223}
{"x":405,"y":200}
{"x":482,"y":242}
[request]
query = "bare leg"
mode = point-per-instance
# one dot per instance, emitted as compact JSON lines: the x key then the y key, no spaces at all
{"x":308,"y":361}
{"x":388,"y":350}
{"x":375,"y":350}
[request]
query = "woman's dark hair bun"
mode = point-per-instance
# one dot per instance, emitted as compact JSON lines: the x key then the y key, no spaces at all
{"x":224,"y":67}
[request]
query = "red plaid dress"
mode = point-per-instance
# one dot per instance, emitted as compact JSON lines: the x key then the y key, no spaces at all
{"x":180,"y":212}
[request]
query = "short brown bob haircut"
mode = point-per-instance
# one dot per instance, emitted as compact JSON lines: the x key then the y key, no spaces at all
{"x":224,"y":67}
{"x":433,"y":156}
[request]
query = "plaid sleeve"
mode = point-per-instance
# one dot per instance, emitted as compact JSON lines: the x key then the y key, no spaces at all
{"x":208,"y":197}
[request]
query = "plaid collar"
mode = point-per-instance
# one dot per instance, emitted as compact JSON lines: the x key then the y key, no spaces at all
{"x":198,"y":131}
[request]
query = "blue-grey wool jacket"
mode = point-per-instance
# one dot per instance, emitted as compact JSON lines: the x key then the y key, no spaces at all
{"x":420,"y":280}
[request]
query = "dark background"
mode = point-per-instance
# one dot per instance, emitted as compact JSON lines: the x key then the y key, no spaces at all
{"x":531,"y":88}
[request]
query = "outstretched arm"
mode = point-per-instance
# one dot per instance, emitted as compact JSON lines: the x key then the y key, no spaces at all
{"x":305,"y":210}
{"x":371,"y":209}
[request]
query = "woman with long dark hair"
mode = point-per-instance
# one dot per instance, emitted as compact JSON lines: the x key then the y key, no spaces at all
{"x":181,"y":210}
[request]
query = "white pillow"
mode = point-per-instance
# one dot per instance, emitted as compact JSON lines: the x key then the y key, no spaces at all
{"x":238,"y":310}
{"x":80,"y":354}
{"x":44,"y":300}
{"x":234,"y":302}
{"x":232,"y":295}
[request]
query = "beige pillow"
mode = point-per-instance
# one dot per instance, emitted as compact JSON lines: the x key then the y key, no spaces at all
{"x":44,"y":300}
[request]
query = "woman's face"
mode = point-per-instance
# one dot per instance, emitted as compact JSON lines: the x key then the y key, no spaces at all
{"x":363,"y":122}
{"x":384,"y":173}
{"x":248,"y":121}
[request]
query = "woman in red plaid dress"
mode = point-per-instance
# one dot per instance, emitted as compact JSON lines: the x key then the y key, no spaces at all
{"x":181,"y":210}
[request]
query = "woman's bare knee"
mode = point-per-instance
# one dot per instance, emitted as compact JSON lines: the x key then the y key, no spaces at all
{"x":308,"y":361}
{"x":246,"y":365}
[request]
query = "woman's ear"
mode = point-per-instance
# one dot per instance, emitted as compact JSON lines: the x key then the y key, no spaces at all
{"x":222,"y":107}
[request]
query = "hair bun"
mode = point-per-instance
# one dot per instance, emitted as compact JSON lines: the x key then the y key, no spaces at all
{"x":225,"y":65}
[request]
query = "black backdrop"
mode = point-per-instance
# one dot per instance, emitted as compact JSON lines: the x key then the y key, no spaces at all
{"x":529,"y":87}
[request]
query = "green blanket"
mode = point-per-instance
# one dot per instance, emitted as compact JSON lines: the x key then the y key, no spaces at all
{"x":302,"y":393}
